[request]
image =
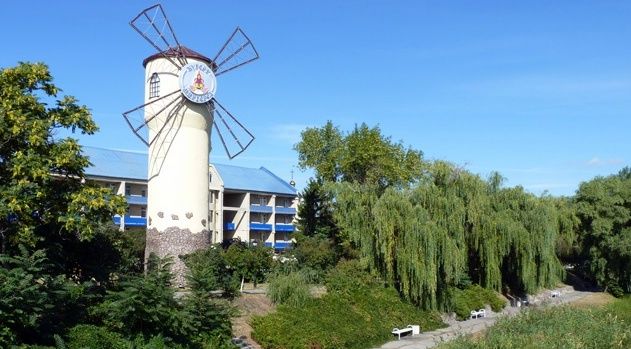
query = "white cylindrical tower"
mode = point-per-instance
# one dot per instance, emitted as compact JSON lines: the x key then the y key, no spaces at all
{"x":178,"y":170}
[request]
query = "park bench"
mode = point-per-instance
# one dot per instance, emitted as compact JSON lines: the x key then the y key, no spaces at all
{"x":410,"y":329}
{"x":478,"y":313}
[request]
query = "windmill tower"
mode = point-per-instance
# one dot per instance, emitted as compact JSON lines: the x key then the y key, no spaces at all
{"x":175,"y":122}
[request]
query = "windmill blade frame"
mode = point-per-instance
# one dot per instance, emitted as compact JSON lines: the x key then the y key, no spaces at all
{"x":135,"y":130}
{"x":235,"y":131}
{"x":242,"y":48}
{"x":159,"y":25}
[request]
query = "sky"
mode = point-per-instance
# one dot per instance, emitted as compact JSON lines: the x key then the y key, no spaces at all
{"x":539,"y":91}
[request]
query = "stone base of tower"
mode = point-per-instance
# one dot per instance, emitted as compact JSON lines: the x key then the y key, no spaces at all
{"x":175,"y":242}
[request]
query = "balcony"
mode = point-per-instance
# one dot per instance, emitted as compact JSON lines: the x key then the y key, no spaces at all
{"x":229,"y":226}
{"x":285,"y":228}
{"x":285,"y":210}
{"x":260,"y":209}
{"x":136,"y":200}
{"x":131,"y":221}
{"x":260,"y":226}
{"x":279,"y":245}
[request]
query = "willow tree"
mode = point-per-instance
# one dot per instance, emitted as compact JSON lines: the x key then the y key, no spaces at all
{"x":451,"y":226}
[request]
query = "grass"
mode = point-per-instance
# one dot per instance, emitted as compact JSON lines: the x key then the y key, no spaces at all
{"x":570,"y":327}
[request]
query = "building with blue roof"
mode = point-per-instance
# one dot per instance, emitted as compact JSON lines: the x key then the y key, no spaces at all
{"x":247,"y":204}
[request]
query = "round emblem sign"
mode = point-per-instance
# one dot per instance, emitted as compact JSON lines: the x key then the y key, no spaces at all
{"x":198,"y":82}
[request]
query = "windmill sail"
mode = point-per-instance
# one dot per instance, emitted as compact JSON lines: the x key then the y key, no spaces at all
{"x":234,"y":137}
{"x":237,"y":51}
{"x":153,"y":25}
{"x":157,"y":109}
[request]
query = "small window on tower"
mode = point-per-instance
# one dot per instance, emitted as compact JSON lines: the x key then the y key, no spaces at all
{"x":154,"y":86}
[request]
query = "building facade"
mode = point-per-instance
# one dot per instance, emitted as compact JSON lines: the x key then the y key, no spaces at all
{"x":248,"y":204}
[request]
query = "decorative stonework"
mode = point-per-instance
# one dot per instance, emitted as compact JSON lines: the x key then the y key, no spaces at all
{"x":203,"y":222}
{"x":175,"y":217}
{"x":175,"y":242}
{"x":161,"y":214}
{"x":189,"y":215}
{"x":149,"y":220}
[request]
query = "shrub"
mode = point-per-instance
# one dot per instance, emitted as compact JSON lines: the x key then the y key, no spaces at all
{"x":472,"y":298}
{"x":94,"y":337}
{"x":291,"y":289}
{"x":209,"y":271}
{"x":249,"y":262}
{"x":359,"y":313}
{"x":315,"y":252}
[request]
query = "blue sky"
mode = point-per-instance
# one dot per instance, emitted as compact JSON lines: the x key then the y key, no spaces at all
{"x":537,"y":90}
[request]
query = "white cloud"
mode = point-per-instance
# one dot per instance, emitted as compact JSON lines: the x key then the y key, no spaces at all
{"x":597,"y":161}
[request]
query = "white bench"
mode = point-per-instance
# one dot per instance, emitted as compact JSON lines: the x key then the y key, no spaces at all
{"x":478,"y":313}
{"x":555,"y":294}
{"x":413,"y":329}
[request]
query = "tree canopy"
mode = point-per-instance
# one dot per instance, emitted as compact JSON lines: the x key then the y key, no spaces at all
{"x":363,"y":155}
{"x":42,"y":187}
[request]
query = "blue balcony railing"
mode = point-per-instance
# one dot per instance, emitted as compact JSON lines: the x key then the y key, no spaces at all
{"x":285,"y":210}
{"x":260,"y":209}
{"x":229,"y":226}
{"x":131,"y":221}
{"x":260,"y":226}
{"x":285,"y":227}
{"x":279,"y":245}
{"x":136,"y":200}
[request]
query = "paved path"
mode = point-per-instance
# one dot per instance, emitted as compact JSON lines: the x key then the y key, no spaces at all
{"x":430,"y":339}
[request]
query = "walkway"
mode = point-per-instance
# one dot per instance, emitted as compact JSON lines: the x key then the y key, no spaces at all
{"x":430,"y":339}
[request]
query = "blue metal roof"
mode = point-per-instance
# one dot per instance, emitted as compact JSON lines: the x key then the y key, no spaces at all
{"x":133,"y":165}
{"x":116,"y":163}
{"x":253,"y":179}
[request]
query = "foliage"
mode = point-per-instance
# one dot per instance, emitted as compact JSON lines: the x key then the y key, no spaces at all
{"x":603,"y":206}
{"x":315,"y":212}
{"x":364,"y":156}
{"x":94,"y":337}
{"x":290,"y":289}
{"x":449,"y":226}
{"x":249,"y":262}
{"x":34,"y":304}
{"x":209,"y":271}
{"x":147,"y":306}
{"x":353,"y":317}
{"x":473,"y":298}
{"x":315,"y":252}
{"x":557,"y":327}
{"x":41,"y":191}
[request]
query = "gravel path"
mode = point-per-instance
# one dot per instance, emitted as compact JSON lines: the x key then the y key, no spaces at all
{"x":430,"y":339}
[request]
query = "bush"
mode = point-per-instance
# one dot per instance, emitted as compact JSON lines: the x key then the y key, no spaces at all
{"x":249,"y":262}
{"x":474,"y":297}
{"x":209,"y":271}
{"x":94,"y":337}
{"x":359,"y":313}
{"x":291,"y":289}
{"x":315,"y":252}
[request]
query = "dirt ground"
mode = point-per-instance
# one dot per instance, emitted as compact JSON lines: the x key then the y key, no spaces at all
{"x":595,"y":299}
{"x":249,"y":305}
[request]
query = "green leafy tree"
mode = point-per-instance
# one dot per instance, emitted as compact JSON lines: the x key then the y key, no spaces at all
{"x":42,"y":191}
{"x":604,"y":209}
{"x":251,"y":263}
{"x":364,"y":156}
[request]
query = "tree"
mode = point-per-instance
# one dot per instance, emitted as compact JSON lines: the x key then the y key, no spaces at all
{"x":364,"y":156}
{"x":42,"y":191}
{"x":315,"y":211}
{"x":604,"y":208}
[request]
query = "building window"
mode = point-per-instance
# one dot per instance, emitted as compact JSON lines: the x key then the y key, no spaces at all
{"x":127,"y":189}
{"x":143,"y":193}
{"x":154,"y":86}
{"x":143,"y":212}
